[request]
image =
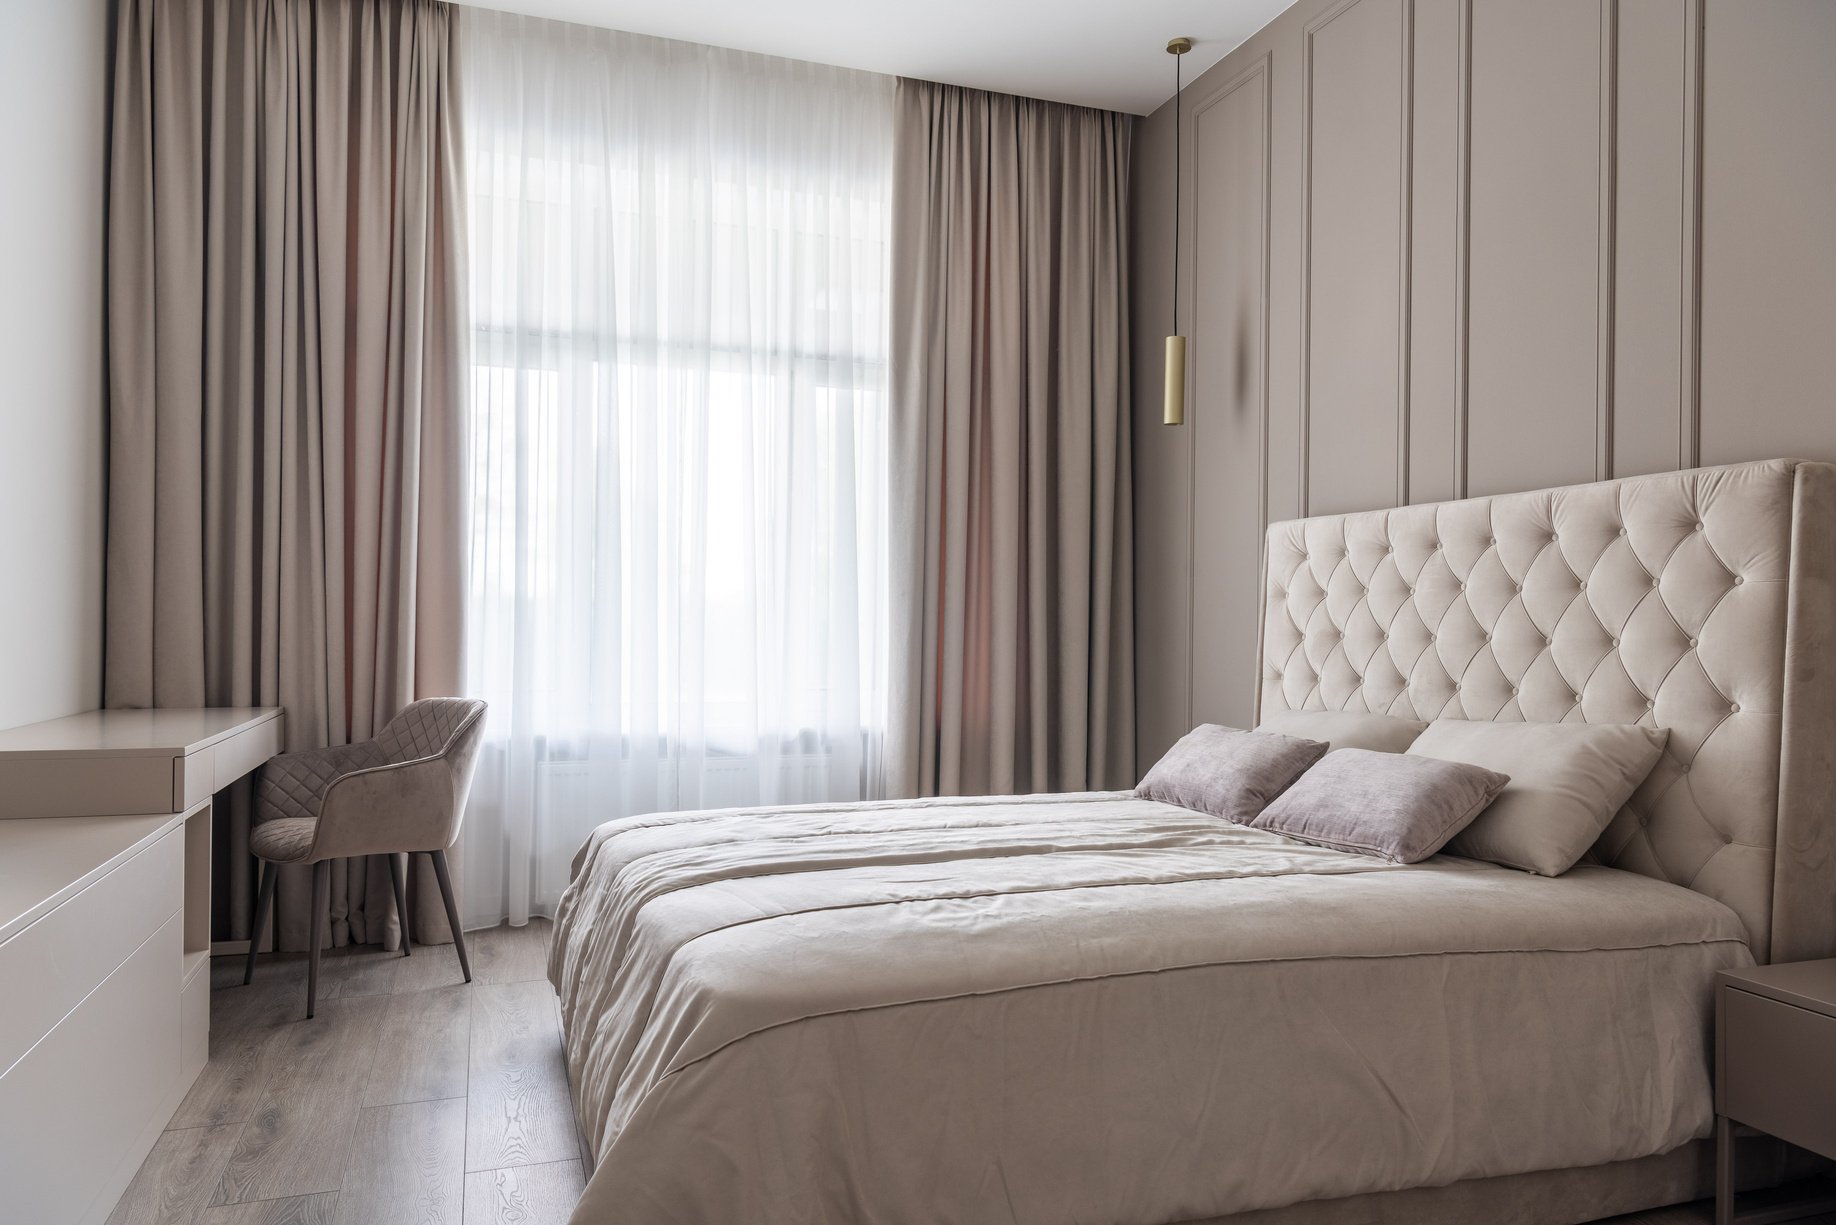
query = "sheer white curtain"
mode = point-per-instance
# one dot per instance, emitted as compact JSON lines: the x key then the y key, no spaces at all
{"x":678,"y":536}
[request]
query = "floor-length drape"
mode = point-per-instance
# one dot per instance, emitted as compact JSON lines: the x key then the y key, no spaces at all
{"x":1012,"y":554}
{"x":677,"y":533}
{"x":285,"y":358}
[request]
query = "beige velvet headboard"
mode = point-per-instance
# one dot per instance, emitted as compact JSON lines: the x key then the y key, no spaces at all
{"x":1701,"y":601}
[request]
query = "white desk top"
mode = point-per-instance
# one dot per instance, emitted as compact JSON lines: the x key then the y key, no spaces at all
{"x":132,"y":733}
{"x":44,"y":860}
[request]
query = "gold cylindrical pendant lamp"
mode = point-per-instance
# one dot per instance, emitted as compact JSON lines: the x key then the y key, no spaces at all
{"x":1174,"y":410}
{"x":1175,"y":413}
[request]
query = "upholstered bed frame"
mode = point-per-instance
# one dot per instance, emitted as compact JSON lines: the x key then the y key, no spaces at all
{"x":1701,"y":601}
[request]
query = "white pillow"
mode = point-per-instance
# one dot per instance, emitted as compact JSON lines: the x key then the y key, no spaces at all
{"x":1346,"y":729}
{"x":1567,"y":781}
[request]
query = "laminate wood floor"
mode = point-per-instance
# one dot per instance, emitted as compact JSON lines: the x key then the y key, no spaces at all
{"x":411,"y":1097}
{"x":1699,"y":1214}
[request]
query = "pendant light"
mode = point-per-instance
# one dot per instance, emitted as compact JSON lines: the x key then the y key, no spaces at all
{"x":1174,"y":412}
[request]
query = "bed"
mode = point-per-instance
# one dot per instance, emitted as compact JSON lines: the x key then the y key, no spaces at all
{"x":1096,"y":1008}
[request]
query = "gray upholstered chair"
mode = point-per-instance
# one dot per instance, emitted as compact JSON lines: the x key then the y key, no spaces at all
{"x":399,"y":794}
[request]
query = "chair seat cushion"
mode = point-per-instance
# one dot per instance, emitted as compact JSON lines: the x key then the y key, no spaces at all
{"x":284,"y":839}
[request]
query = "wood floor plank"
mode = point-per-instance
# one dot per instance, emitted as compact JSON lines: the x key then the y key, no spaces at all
{"x":1683,"y":1214}
{"x":242,"y":1022}
{"x":524,"y":1195}
{"x":296,"y":1142}
{"x":432,"y":965}
{"x":518,"y":1109}
{"x":1703,"y":1212}
{"x":177,"y":1178}
{"x":424,"y":1048}
{"x":359,"y":969}
{"x":506,"y":954}
{"x":407,"y":1164}
{"x":296,"y":1210}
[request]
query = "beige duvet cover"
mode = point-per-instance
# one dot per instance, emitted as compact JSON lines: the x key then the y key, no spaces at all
{"x":1101,"y":1010}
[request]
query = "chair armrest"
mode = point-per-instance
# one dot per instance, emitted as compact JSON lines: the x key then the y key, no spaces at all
{"x":294,"y":784}
{"x":386,"y":809}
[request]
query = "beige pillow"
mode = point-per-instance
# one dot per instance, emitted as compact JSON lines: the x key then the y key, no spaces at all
{"x":1392,"y":805}
{"x":1228,"y":773}
{"x":1347,"y":729}
{"x":1567,"y":781}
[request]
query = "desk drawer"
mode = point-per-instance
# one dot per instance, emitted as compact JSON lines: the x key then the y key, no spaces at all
{"x":78,"y":1111}
{"x":1779,"y":1076}
{"x":84,"y":786}
{"x":247,"y":749}
{"x":48,"y":968}
{"x":198,"y":776}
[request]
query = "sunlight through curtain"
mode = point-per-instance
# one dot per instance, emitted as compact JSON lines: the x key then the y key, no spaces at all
{"x":678,"y":474}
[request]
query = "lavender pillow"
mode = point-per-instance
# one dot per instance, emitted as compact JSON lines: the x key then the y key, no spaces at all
{"x":1228,"y":773}
{"x":1396,"y":807}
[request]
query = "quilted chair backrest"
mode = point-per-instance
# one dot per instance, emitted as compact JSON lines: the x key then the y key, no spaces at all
{"x":1702,"y":601}
{"x":426,"y":728}
{"x":450,"y":728}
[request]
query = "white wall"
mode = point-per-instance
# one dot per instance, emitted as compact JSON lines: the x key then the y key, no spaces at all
{"x":53,"y":141}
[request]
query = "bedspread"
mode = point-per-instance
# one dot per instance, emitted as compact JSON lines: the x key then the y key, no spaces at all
{"x":1091,"y":1008}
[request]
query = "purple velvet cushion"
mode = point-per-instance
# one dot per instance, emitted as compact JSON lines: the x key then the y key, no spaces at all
{"x":1228,"y":773}
{"x":1390,"y":805}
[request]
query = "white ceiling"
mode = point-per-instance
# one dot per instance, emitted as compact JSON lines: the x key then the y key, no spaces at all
{"x":1107,"y":53}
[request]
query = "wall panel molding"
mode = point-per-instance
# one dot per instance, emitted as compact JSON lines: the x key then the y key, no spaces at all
{"x":1609,"y":144}
{"x":1405,"y":268}
{"x":1660,"y":163}
{"x":1463,"y":252}
{"x":1689,"y":401}
{"x":1209,"y":403}
{"x":1403,"y":238}
{"x":1537,"y":245}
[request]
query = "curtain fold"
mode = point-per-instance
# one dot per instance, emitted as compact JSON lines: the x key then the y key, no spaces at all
{"x":678,"y":530}
{"x":285,"y":365}
{"x":1012,"y":569}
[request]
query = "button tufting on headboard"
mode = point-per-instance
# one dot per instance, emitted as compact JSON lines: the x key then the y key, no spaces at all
{"x":1674,"y":600}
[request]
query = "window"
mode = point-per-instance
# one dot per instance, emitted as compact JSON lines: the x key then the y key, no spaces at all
{"x":678,"y":453}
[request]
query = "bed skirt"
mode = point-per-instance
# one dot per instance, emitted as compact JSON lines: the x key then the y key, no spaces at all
{"x":1552,"y":1197}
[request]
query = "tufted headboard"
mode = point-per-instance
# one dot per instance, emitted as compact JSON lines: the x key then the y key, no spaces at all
{"x":1701,"y":601}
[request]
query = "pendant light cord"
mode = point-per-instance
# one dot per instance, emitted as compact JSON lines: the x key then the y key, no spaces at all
{"x":1178,"y":64}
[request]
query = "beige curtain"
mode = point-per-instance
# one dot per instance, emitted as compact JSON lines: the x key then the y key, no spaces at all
{"x":1012,"y":562}
{"x":285,"y":352}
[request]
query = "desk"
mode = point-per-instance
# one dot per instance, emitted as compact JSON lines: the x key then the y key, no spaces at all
{"x":123,"y":762}
{"x":105,"y":895}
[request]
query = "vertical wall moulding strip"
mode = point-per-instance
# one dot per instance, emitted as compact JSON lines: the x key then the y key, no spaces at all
{"x":1261,"y":71}
{"x":1194,"y":419}
{"x":1689,"y":407}
{"x":1405,"y":210}
{"x":1463,"y":217}
{"x":1267,"y":69}
{"x":1605,"y":238}
{"x":1262,"y":522}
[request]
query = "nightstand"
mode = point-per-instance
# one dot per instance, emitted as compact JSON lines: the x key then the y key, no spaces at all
{"x":1775,"y":1071}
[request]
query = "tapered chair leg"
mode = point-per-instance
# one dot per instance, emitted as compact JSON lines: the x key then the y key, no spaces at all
{"x":321,"y":914}
{"x":452,"y":910}
{"x":400,"y":880}
{"x":264,"y":904}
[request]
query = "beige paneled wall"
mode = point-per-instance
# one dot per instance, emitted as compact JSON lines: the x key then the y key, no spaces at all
{"x":1435,"y":248}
